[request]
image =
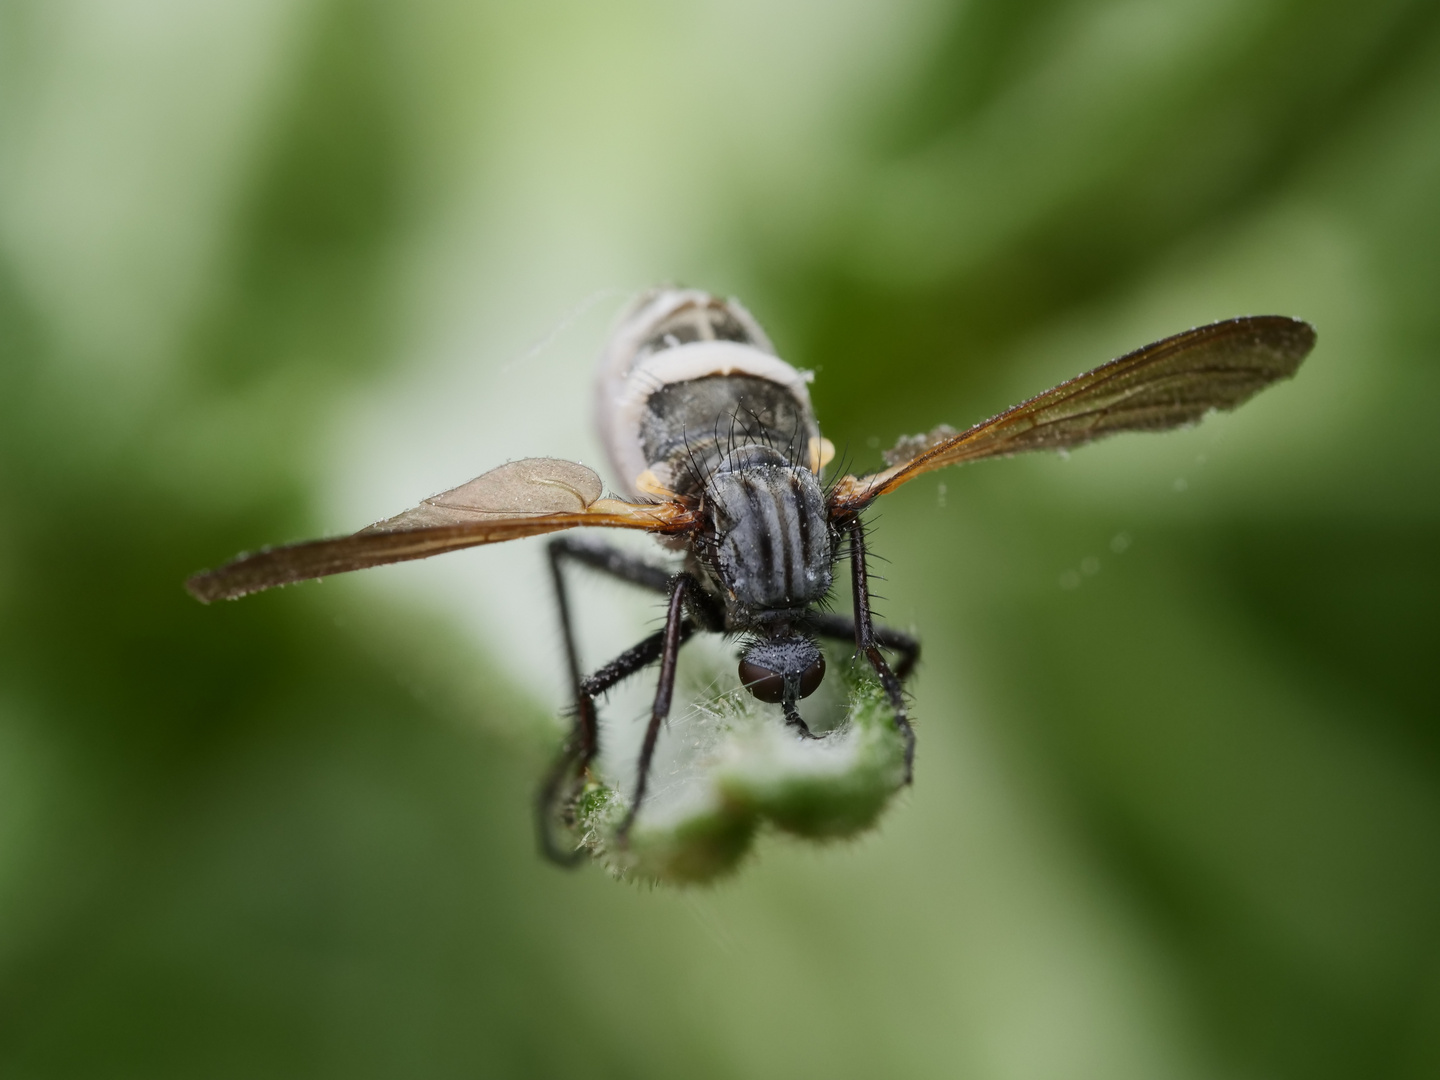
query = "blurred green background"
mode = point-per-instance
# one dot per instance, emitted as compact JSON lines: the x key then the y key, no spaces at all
{"x":277,"y":268}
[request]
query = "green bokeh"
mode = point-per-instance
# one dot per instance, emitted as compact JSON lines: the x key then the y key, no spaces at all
{"x":1177,"y":798}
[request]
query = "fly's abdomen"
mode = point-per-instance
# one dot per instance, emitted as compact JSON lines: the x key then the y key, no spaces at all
{"x":687,"y":428}
{"x":687,"y":379}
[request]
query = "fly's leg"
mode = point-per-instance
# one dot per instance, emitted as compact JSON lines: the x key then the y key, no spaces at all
{"x":674,"y":636}
{"x":839,"y":628}
{"x":565,"y":775}
{"x":867,"y":641}
{"x":583,"y":743}
{"x":607,"y":560}
{"x":795,"y":720}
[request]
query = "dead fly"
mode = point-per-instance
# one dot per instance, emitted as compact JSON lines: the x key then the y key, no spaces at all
{"x":716,"y":449}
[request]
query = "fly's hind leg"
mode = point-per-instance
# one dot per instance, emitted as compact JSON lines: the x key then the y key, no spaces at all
{"x":562,"y":782}
{"x":607,"y":560}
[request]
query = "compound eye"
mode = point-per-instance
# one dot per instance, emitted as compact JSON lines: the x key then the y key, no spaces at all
{"x":810,"y":679}
{"x":765,"y":684}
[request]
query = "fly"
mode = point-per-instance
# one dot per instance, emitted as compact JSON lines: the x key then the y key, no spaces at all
{"x":717,"y":452}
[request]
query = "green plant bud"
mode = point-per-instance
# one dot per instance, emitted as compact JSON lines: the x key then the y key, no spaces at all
{"x":742,"y":770}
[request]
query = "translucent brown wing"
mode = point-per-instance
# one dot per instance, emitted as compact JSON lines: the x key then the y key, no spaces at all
{"x":1165,"y":385}
{"x":523,"y":498}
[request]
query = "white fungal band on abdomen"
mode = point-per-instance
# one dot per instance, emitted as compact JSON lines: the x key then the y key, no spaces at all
{"x":672,"y":337}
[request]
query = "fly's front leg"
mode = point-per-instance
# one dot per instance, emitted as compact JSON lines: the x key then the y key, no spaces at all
{"x":839,"y":628}
{"x":583,"y":742}
{"x":867,"y":641}
{"x":673,"y":637}
{"x":795,"y":720}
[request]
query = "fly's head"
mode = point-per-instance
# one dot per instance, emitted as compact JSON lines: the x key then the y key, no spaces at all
{"x":769,"y":547}
{"x":783,"y":668}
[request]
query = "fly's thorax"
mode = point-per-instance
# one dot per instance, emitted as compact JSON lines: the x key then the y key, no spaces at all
{"x":686,"y":378}
{"x":769,"y":549}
